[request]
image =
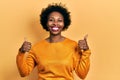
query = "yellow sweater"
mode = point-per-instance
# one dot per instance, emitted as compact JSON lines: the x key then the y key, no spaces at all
{"x":55,"y":61}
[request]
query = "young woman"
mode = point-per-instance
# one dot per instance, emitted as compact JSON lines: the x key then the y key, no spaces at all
{"x":55,"y":57}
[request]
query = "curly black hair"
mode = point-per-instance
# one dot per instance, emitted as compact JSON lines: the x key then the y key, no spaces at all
{"x":55,"y":7}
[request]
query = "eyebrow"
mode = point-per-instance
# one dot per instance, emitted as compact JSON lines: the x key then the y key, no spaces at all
{"x":53,"y":17}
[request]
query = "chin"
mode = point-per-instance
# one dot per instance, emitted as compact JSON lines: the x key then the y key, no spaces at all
{"x":55,"y":33}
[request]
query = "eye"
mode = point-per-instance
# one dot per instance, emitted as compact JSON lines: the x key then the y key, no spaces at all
{"x":60,"y":20}
{"x":51,"y":19}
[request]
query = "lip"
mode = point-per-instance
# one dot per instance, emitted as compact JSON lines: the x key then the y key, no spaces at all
{"x":55,"y":28}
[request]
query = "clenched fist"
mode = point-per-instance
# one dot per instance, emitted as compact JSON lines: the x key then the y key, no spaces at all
{"x":26,"y":46}
{"x":83,"y":43}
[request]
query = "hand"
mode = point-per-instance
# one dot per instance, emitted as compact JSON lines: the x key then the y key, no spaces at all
{"x":26,"y":46}
{"x":83,"y":43}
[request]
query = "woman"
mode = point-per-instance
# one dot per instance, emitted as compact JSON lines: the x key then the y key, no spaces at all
{"x":56,"y":57}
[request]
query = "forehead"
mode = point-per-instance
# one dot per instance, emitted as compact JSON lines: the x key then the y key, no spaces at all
{"x":55,"y":14}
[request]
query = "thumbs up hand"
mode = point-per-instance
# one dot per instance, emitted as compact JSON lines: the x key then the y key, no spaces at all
{"x":83,"y":43}
{"x":26,"y":46}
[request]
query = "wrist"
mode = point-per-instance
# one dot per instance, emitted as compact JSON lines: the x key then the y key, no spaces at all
{"x":21,"y":50}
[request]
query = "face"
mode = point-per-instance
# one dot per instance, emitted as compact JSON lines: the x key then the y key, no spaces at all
{"x":55,"y":23}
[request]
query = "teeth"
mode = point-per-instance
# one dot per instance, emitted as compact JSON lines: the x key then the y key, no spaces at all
{"x":55,"y":28}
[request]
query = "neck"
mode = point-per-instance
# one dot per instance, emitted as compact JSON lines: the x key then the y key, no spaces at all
{"x":55,"y":38}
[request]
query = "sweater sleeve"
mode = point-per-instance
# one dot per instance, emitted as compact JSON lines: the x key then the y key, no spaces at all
{"x":82,"y":63}
{"x":25,"y":63}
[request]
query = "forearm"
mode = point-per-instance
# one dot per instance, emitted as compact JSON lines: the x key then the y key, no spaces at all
{"x":25,"y":65}
{"x":83,"y":64}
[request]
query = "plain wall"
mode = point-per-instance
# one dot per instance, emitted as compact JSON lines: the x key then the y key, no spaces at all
{"x":100,"y":19}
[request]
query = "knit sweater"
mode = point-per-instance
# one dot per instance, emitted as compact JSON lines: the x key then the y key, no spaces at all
{"x":55,"y":61}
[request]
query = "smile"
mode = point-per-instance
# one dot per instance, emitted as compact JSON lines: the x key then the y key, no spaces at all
{"x":55,"y":28}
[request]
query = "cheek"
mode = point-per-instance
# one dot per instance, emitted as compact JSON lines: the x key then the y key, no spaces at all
{"x":48,"y":23}
{"x":62,"y":24}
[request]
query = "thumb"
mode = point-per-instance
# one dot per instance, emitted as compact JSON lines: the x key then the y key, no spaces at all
{"x":25,"y":39}
{"x":85,"y":37}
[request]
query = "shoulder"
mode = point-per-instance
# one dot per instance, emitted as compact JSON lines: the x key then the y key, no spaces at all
{"x":71,"y":42}
{"x":40,"y":43}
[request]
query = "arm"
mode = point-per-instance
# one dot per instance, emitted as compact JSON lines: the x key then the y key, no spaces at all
{"x":83,"y":58}
{"x":82,"y":63}
{"x":25,"y":63}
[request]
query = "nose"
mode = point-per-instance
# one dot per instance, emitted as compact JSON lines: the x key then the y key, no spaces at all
{"x":55,"y":22}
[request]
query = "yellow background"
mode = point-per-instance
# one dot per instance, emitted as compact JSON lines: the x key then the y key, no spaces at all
{"x":100,"y":19}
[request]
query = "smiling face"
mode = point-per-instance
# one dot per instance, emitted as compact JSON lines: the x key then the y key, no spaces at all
{"x":55,"y":23}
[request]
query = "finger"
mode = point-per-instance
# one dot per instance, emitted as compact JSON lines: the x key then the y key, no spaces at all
{"x":28,"y":43}
{"x":27,"y":47}
{"x":25,"y":39}
{"x":85,"y":37}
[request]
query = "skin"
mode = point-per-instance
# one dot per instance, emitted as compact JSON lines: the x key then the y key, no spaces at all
{"x":55,"y":20}
{"x":55,"y":25}
{"x":83,"y":43}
